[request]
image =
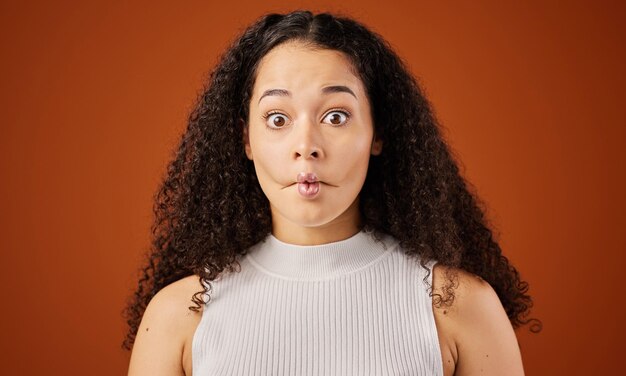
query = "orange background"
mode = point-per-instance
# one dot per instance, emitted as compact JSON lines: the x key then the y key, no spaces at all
{"x":95,"y":96}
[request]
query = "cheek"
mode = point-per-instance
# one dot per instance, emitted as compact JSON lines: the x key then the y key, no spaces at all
{"x":355,"y":159}
{"x":267,"y":159}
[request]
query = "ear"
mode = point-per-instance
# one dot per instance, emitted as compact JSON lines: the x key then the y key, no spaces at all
{"x":246,"y":138}
{"x":377,"y":145}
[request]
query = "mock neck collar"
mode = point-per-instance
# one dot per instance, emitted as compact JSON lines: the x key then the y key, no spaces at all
{"x":318,"y":262}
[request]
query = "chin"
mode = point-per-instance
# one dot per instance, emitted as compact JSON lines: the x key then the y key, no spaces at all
{"x":312,"y":220}
{"x":318,"y":212}
{"x":307,"y":216}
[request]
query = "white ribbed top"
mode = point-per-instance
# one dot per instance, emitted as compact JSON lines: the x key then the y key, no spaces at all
{"x":351,"y":307}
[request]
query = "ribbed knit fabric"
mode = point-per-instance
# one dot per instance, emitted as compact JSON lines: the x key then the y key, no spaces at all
{"x":351,"y":307}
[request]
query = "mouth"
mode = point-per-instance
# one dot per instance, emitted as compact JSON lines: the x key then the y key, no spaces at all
{"x":307,"y":177}
{"x":304,"y":183}
{"x":309,"y":190}
{"x":306,"y":180}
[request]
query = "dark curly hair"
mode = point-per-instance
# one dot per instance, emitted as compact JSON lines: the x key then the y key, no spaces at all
{"x":210,"y":207}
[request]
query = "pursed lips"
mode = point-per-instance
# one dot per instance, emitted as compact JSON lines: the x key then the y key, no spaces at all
{"x":321,"y":182}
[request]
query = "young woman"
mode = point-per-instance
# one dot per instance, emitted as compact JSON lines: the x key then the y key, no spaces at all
{"x":314,"y":222}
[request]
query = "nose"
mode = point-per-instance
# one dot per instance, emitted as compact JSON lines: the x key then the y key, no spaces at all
{"x":307,"y":141}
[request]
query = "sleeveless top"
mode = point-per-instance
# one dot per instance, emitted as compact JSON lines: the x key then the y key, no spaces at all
{"x":352,"y":307}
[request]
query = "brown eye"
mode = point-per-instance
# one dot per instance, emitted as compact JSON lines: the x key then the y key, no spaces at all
{"x":276,"y":120}
{"x":279,"y":121}
{"x":337,"y":117}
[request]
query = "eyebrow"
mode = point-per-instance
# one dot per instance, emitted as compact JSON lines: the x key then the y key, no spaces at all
{"x":325,"y":90}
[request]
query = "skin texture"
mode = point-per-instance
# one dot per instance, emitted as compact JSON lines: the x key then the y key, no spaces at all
{"x":163,"y":343}
{"x":475,"y":334}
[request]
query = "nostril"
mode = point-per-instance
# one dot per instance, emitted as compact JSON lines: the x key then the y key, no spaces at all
{"x":313,"y":153}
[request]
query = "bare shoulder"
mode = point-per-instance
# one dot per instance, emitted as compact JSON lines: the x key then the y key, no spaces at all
{"x":471,"y":293}
{"x":169,"y":309}
{"x":162,"y":345}
{"x":475,"y":325}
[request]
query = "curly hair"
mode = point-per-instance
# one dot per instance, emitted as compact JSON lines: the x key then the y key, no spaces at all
{"x":210,"y":207}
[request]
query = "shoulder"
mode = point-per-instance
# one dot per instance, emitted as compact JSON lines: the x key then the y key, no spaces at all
{"x":476,"y":324}
{"x":472,"y":294}
{"x":169,"y":308}
{"x":167,"y":326}
{"x":176,"y":296}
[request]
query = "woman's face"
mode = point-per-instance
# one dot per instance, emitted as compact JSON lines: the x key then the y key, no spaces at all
{"x":309,"y":115}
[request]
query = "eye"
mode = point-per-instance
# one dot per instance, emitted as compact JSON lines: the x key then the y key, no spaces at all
{"x":275,"y":120}
{"x":337,"y":117}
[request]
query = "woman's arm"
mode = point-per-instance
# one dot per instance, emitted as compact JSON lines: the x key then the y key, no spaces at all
{"x":163,"y":342}
{"x":482,"y":334}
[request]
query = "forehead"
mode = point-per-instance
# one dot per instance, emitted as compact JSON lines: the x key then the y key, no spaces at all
{"x":296,"y":65}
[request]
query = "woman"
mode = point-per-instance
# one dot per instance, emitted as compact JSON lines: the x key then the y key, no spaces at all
{"x":314,"y":222}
